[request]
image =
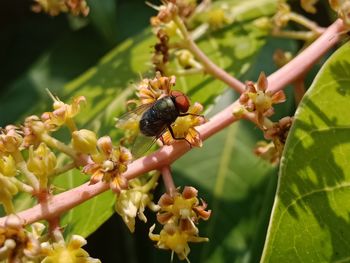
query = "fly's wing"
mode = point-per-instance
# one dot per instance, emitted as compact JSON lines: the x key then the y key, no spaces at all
{"x":130,"y":122}
{"x":131,"y":119}
{"x":143,"y":143}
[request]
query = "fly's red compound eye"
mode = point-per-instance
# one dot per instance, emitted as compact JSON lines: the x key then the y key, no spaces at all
{"x":181,"y":100}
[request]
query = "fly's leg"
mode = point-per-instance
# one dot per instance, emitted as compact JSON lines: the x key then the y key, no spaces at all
{"x":192,"y":114}
{"x":178,"y":138}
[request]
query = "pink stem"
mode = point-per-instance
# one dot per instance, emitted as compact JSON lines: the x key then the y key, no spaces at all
{"x":304,"y":61}
{"x":168,"y":180}
{"x":214,"y":70}
{"x":168,"y":154}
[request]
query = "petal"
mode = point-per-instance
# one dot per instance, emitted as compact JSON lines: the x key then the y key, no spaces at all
{"x":278,"y":97}
{"x":262,"y":82}
{"x":165,"y":200}
{"x":163,"y":218}
{"x":189,"y":192}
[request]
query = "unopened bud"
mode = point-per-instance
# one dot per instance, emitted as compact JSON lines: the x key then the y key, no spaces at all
{"x":41,"y":162}
{"x":84,"y":141}
{"x":8,"y":166}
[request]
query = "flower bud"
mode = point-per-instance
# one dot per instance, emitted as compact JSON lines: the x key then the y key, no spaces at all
{"x":8,"y":166}
{"x":84,"y":141}
{"x":185,"y":58}
{"x":217,"y":18}
{"x":41,"y":162}
{"x":263,"y":23}
{"x":8,"y":189}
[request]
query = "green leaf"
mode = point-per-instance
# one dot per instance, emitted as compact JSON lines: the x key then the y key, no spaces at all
{"x":310,"y":220}
{"x":103,"y":15}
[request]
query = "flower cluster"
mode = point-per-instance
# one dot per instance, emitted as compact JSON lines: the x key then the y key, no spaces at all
{"x":16,"y":243}
{"x":55,"y":7}
{"x":184,"y":127}
{"x":179,"y":213}
{"x":257,"y":99}
{"x":20,"y":245}
{"x":150,"y":90}
{"x":276,"y":132}
{"x":108,"y":164}
{"x":166,"y":28}
{"x":70,"y":252}
{"x":132,"y":202}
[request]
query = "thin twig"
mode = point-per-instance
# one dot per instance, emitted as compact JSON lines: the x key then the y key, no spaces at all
{"x":208,"y":65}
{"x":306,"y":59}
{"x":168,"y":180}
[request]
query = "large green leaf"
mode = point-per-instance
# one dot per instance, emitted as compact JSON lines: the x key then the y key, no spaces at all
{"x":310,"y":220}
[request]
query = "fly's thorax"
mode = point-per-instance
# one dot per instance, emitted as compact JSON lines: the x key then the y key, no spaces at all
{"x":166,"y":110}
{"x":158,"y":117}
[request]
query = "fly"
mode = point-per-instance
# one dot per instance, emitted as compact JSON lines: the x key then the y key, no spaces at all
{"x":155,"y":118}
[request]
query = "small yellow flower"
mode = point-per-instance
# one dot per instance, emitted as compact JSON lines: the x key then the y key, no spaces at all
{"x":257,"y":99}
{"x":16,"y":243}
{"x":150,"y":90}
{"x":67,"y":253}
{"x":182,"y":206}
{"x":109,"y":164}
{"x":267,"y":151}
{"x":184,"y":127}
{"x":132,"y":202}
{"x":172,"y":238}
{"x":10,"y":139}
{"x":179,"y":213}
{"x":33,"y":129}
{"x":62,"y":114}
{"x":166,"y":13}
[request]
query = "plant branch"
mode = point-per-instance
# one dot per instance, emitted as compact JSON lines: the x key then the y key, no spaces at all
{"x":168,"y":180}
{"x":208,"y":65}
{"x":304,"y":61}
{"x":168,"y":154}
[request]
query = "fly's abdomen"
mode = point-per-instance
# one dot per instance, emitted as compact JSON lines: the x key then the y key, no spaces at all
{"x":151,"y":124}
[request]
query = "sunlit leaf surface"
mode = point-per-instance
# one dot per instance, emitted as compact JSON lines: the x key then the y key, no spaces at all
{"x":310,"y":221}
